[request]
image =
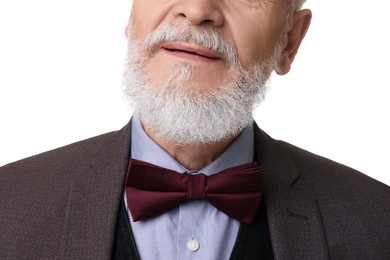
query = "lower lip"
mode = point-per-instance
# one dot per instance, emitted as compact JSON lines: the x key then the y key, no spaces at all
{"x":189,"y":56}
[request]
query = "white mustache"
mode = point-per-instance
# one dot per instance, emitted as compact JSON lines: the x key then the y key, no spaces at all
{"x":208,"y":38}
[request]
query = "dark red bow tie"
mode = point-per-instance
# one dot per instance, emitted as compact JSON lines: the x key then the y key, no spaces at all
{"x":152,"y":190}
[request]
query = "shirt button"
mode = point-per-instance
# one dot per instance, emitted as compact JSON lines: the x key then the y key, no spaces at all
{"x":193,"y":245}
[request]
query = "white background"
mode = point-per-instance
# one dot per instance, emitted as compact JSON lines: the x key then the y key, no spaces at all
{"x":61,"y":65}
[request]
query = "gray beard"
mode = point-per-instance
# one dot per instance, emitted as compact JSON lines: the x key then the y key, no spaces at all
{"x":180,"y":111}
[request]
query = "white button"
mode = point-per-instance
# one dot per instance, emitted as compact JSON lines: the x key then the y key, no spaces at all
{"x":193,"y":245}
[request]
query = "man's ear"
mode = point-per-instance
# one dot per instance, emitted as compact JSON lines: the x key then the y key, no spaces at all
{"x":300,"y":25}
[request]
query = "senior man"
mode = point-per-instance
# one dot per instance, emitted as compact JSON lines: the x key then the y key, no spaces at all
{"x":192,"y":176}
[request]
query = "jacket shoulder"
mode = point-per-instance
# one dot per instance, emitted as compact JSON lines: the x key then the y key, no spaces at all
{"x":37,"y":194}
{"x":354,"y":208}
{"x":315,"y":168}
{"x":70,"y":154}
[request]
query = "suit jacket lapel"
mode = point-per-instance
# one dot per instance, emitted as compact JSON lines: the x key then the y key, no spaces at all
{"x":94,"y":200}
{"x":293,"y":215}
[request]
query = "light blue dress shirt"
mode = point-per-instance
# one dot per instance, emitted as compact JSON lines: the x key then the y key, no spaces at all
{"x":195,"y":229}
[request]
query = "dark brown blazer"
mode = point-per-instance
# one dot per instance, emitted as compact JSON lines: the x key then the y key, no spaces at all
{"x":63,"y":204}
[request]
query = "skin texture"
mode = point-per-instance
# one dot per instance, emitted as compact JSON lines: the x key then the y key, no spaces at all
{"x":254,"y":27}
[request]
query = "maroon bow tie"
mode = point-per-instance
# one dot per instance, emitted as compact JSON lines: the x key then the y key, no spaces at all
{"x":152,"y":190}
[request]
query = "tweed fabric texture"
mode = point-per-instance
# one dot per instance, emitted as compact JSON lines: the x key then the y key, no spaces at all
{"x":63,"y":204}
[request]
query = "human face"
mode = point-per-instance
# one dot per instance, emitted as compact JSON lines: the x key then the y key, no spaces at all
{"x":253,"y":27}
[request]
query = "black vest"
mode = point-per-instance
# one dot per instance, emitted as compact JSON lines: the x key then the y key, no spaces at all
{"x":253,"y":241}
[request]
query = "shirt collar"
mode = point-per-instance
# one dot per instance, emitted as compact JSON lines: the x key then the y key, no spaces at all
{"x":144,"y":148}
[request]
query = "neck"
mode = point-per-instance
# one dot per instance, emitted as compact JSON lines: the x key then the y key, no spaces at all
{"x":192,"y":156}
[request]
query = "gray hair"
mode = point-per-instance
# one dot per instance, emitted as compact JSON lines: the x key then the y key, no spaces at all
{"x":292,"y":7}
{"x":298,"y":4}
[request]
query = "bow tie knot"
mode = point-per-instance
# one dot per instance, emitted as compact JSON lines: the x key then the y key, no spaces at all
{"x":196,"y":186}
{"x":152,"y":190}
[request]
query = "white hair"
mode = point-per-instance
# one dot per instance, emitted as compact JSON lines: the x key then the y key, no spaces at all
{"x":299,"y":4}
{"x":292,"y":7}
{"x":181,"y":111}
